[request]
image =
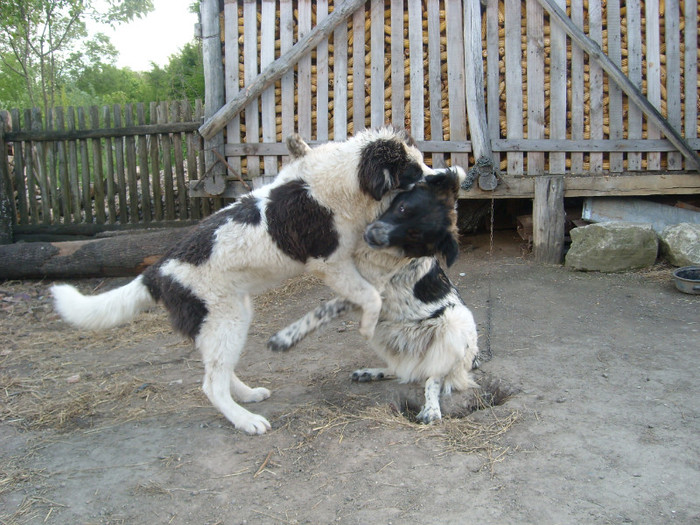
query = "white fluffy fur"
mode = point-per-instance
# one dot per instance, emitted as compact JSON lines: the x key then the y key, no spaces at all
{"x":245,"y":260}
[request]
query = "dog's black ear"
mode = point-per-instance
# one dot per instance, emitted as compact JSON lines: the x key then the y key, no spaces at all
{"x":445,"y":180}
{"x":381,"y":163}
{"x":448,"y":247}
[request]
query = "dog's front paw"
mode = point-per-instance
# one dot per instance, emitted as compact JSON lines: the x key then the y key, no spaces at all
{"x":254,"y":424}
{"x":365,"y":375}
{"x":428,"y":414}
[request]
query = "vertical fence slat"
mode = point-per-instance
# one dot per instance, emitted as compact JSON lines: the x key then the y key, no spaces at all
{"x":98,"y":172}
{"x":109,"y":149}
{"x":493,"y":111}
{"x":595,"y":23}
{"x":20,"y":202}
{"x":456,"y":95}
{"x":179,"y":160}
{"x":673,"y":74}
{"x":322,"y":77}
{"x":119,"y":166}
{"x":397,"y":65}
{"x":304,"y":73}
{"x":39,"y":149}
{"x":30,"y":171}
{"x":62,"y":161}
{"x":557,"y":90}
{"x":514,"y":83}
{"x":232,"y":76}
{"x":166,"y":151}
{"x":85,"y":169}
{"x":653,"y":74}
{"x":614,"y":92}
{"x":340,"y":82}
{"x":191,"y":146}
{"x":287,"y":82}
{"x":132,"y":177}
{"x":250,"y":61}
{"x":73,"y":174}
{"x":435,"y":77}
{"x":690,"y":77}
{"x":154,"y":154}
{"x":143,"y":166}
{"x":417,"y":75}
{"x":52,"y":172}
{"x":634,"y":72}
{"x":268,"y":109}
{"x":376,"y":64}
{"x":358,"y":70}
{"x":535,"y":83}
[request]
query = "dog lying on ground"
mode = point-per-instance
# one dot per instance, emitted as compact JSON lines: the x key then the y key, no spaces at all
{"x":310,"y":218}
{"x":425,"y":331}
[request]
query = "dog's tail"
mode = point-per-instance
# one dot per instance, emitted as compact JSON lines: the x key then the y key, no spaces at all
{"x":105,"y":310}
{"x":313,"y":320}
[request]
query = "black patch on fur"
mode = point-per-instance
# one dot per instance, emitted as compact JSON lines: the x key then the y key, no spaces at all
{"x":438,"y":313}
{"x":433,"y":286}
{"x":196,"y":248}
{"x":299,"y":225}
{"x":186,"y":310}
{"x":386,"y":156}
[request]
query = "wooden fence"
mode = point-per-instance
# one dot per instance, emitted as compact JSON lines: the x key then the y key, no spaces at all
{"x":550,"y":105}
{"x":83,"y":170}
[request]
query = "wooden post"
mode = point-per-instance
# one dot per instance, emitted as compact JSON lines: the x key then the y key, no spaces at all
{"x":548,"y":219}
{"x":5,"y":205}
{"x":214,"y":98}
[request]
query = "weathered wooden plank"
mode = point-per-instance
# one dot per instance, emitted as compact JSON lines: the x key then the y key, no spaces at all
{"x":214,"y":96}
{"x":52,"y":172}
{"x":41,"y":172}
{"x":287,"y":83}
{"x":73,"y":173}
{"x":20,"y":202}
{"x":119,"y":165}
{"x":49,"y":135}
{"x":690,"y":76}
{"x":548,"y":220}
{"x":322,"y":113}
{"x":231,"y":56}
{"x":131,"y":175}
{"x":435,"y":77}
{"x":98,"y":171}
{"x":493,"y":108}
{"x":191,"y":143}
{"x":178,"y":156}
{"x":358,"y":69}
{"x":674,"y":161}
{"x":166,"y":151}
{"x":30,"y":172}
{"x":85,"y":169}
{"x":340,"y":82}
{"x":595,"y":86}
{"x":416,"y":75}
{"x":62,"y":161}
{"x":514,"y":83}
{"x":634,"y":72}
{"x":557,"y":103}
{"x":267,"y":98}
{"x":250,"y":72}
{"x":456,"y":93}
{"x":398,"y":69}
{"x":7,"y":218}
{"x":535,"y":83}
{"x":144,"y":175}
{"x":614,"y":92}
{"x":376,"y":15}
{"x":577,"y":88}
{"x":653,"y":73}
{"x":153,"y":152}
{"x":303,"y":73}
{"x":599,"y":146}
{"x":619,"y":77}
{"x":109,"y":166}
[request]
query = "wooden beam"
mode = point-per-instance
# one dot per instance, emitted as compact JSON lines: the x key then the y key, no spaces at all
{"x":279,"y":67}
{"x":548,"y":220}
{"x":617,"y":75}
{"x":5,"y":188}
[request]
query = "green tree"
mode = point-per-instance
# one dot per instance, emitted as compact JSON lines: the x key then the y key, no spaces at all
{"x":45,"y":42}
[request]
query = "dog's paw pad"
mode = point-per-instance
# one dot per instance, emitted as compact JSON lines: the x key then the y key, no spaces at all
{"x":429,"y":415}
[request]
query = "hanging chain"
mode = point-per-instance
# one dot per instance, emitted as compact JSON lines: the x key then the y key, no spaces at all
{"x":487,"y":354}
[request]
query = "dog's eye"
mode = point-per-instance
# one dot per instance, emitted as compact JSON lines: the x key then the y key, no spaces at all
{"x":402,"y":209}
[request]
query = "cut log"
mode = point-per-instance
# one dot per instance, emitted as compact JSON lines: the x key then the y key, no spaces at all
{"x":122,"y":255}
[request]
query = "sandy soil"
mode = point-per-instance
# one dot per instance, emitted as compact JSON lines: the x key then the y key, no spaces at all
{"x":113,"y":428}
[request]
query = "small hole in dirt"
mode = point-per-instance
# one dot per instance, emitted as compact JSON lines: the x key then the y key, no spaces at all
{"x":491,"y":392}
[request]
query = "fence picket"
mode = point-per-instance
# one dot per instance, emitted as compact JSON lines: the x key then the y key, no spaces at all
{"x":21,"y":206}
{"x":166,"y":151}
{"x":435,"y":77}
{"x":179,"y":164}
{"x":73,"y":174}
{"x":144,"y":175}
{"x":514,"y":83}
{"x":358,"y":71}
{"x":85,"y":169}
{"x":51,"y":172}
{"x":98,"y":172}
{"x":653,"y":74}
{"x":109,"y":145}
{"x":674,"y":160}
{"x":535,"y":83}
{"x":30,"y":171}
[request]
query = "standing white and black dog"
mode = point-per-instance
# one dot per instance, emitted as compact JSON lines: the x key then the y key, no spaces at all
{"x":310,"y":218}
{"x":425,"y":331}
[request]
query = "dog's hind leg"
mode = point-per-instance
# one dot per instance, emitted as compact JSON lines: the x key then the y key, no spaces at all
{"x":431,"y":409}
{"x":221,"y":340}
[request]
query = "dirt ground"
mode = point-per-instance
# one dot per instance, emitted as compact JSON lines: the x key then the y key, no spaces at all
{"x":602,"y":428}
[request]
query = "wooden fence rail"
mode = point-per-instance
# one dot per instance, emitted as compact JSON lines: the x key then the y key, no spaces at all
{"x":82,"y":170}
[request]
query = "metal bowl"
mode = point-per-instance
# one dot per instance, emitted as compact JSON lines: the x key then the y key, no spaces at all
{"x":688,"y":279}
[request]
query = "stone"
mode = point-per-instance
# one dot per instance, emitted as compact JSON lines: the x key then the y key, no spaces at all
{"x":680,"y":244}
{"x":612,"y":247}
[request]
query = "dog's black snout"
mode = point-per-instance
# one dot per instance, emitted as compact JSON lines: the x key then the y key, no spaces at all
{"x":377,"y":234}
